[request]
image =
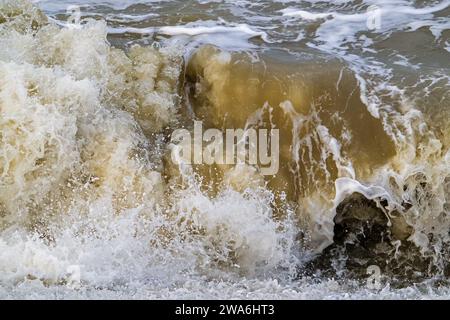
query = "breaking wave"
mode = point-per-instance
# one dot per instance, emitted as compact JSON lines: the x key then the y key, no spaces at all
{"x":86,"y":181}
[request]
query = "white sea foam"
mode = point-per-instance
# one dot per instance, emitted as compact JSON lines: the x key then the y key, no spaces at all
{"x":83,"y":182}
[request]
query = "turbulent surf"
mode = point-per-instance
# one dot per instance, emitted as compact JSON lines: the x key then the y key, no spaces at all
{"x":92,"y":205}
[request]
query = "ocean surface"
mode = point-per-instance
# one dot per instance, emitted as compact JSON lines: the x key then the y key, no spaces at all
{"x":91,"y":205}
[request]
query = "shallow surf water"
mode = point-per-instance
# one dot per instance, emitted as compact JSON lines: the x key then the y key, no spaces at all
{"x":91,"y":205}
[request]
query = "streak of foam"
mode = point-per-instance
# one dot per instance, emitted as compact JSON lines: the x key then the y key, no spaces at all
{"x":229,"y":36}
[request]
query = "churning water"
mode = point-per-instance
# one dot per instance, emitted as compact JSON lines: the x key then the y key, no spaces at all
{"x":91,"y":205}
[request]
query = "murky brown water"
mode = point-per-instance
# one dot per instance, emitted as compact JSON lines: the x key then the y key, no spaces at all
{"x":361,"y":99}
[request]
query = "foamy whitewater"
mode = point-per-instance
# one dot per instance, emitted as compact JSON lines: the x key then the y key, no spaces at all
{"x":91,"y":205}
